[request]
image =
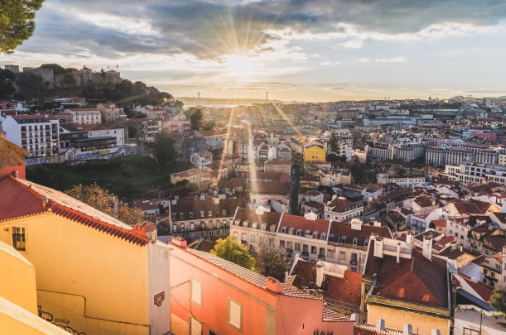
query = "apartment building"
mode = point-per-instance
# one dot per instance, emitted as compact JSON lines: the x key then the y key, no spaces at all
{"x":80,"y":116}
{"x":342,"y":209}
{"x":37,"y":134}
{"x":109,"y":112}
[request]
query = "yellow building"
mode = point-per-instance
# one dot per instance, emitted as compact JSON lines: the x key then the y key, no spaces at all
{"x":314,"y":152}
{"x":109,"y":112}
{"x":502,"y":159}
{"x":94,"y":274}
{"x":18,"y":297}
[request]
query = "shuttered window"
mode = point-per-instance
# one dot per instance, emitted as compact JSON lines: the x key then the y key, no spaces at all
{"x":235,"y":314}
{"x":195,"y":327}
{"x":197,"y":292}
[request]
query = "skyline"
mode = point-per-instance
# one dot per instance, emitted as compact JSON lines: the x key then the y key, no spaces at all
{"x":297,"y":50}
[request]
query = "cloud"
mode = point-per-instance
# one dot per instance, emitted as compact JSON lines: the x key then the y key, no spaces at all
{"x":212,"y":29}
{"x":364,"y":60}
{"x":330,"y":63}
{"x":353,"y":44}
{"x":392,"y":60}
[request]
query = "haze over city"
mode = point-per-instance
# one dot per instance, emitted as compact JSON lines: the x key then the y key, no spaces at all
{"x":297,"y":50}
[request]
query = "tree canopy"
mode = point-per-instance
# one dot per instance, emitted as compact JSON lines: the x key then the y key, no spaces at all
{"x":6,"y":87}
{"x":498,"y":299}
{"x":31,"y":85}
{"x":98,"y":198}
{"x":195,"y":116}
{"x":234,"y":252}
{"x":333,"y":144}
{"x":16,"y":22}
{"x":270,"y":261}
{"x":165,"y":151}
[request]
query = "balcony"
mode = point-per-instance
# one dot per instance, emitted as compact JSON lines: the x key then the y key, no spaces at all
{"x":321,"y":257}
{"x":244,"y":242}
{"x":353,"y":262}
{"x":305,"y":254}
{"x":289,"y":251}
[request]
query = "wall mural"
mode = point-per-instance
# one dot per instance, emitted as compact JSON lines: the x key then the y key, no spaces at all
{"x":61,"y":323}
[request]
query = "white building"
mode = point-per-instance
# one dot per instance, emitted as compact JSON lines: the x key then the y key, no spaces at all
{"x":38,"y":134}
{"x":84,"y":115}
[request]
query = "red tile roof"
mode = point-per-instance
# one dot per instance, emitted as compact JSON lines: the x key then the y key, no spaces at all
{"x":415,"y":280}
{"x":339,"y":229}
{"x":33,"y":116}
{"x":340,"y":291}
{"x":483,"y":291}
{"x":439,"y":223}
{"x":300,"y":222}
{"x":269,"y":218}
{"x":24,"y":198}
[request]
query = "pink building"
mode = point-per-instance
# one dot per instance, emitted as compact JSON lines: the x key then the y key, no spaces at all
{"x":489,"y":135}
{"x":210,"y":295}
{"x":176,"y":124}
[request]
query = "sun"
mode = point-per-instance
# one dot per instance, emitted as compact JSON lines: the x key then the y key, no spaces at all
{"x":239,"y":66}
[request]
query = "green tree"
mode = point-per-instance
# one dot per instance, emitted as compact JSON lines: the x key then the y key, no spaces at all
{"x":6,"y":87}
{"x":30,"y":85}
{"x":333,"y":144}
{"x":498,"y":299}
{"x":16,"y":22}
{"x":98,"y":198}
{"x":270,"y":261}
{"x":332,"y":158}
{"x":69,"y":80}
{"x":195,"y":116}
{"x":234,"y":252}
{"x":165,"y":151}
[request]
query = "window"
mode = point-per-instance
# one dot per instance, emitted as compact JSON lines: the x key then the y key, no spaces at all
{"x":305,"y":248}
{"x":330,"y":253}
{"x":271,"y":241}
{"x":282,"y":243}
{"x":297,"y":246}
{"x":224,"y":212}
{"x":191,"y":215}
{"x":181,"y":216}
{"x":468,"y":331}
{"x":342,"y":255}
{"x":210,"y":213}
{"x":313,"y":249}
{"x":195,"y":326}
{"x":322,"y":252}
{"x":262,"y":240}
{"x":366,"y":242}
{"x":299,"y":231}
{"x":18,"y":238}
{"x":253,"y":238}
{"x":196,"y":292}
{"x":244,"y":237}
{"x":235,"y":314}
{"x":182,"y":226}
{"x":201,"y":214}
{"x":355,"y":241}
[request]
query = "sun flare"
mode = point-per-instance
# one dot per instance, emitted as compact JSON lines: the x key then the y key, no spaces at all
{"x":239,"y":66}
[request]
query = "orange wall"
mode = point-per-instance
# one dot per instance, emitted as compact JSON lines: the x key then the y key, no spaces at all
{"x":215,"y":294}
{"x":8,"y":170}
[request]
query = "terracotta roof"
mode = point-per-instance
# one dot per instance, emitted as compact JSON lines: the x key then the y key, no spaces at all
{"x":340,"y":229}
{"x":482,"y":206}
{"x":330,"y":315}
{"x":465,"y":207}
{"x":269,"y":218}
{"x":33,"y":116}
{"x":267,"y":187}
{"x":300,"y":222}
{"x":23,"y":198}
{"x":340,"y":205}
{"x":415,"y":280}
{"x":365,"y":329}
{"x":188,"y":206}
{"x":340,"y":291}
{"x":424,"y":201}
{"x":246,"y":274}
{"x":439,"y":223}
{"x":483,"y":291}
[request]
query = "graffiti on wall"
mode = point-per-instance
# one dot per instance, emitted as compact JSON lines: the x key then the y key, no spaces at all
{"x":61,"y":323}
{"x":317,"y":332}
{"x":35,"y":161}
{"x":159,"y":298}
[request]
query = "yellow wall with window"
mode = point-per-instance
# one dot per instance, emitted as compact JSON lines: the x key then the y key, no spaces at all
{"x":314,"y":154}
{"x":87,"y":280}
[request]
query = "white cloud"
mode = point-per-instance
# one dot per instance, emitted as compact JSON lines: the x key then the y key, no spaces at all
{"x":330,"y":63}
{"x":364,"y":60}
{"x":393,"y":60}
{"x":353,"y":44}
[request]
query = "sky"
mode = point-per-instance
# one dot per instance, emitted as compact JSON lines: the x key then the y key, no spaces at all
{"x":304,"y":50}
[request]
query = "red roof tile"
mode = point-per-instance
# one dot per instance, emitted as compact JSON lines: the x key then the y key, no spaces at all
{"x":24,"y":198}
{"x":339,"y":229}
{"x":415,"y":280}
{"x":300,"y":222}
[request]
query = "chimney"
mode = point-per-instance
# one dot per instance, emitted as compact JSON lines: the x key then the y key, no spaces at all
{"x":44,"y":202}
{"x":147,"y":229}
{"x":380,"y":324}
{"x":398,"y":252}
{"x":460,"y":247}
{"x":427,"y":247}
{"x":378,"y":247}
{"x":356,"y":224}
{"x":15,"y":174}
{"x":319,"y":274}
{"x":355,"y":317}
{"x":217,"y":201}
{"x":180,"y":242}
{"x":409,"y":237}
{"x":273,"y":285}
{"x":408,"y":329}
